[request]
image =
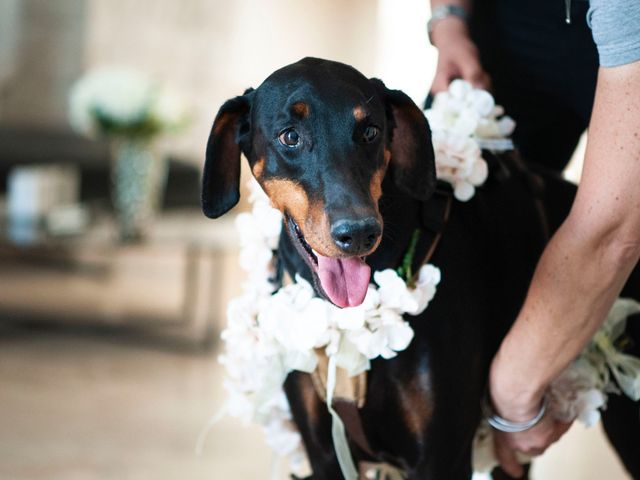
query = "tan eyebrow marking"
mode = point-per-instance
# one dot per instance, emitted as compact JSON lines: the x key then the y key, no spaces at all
{"x":301,"y":109}
{"x":359,"y":113}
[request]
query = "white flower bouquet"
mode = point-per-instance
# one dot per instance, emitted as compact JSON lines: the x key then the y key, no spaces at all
{"x":465,"y":120}
{"x":119,"y":102}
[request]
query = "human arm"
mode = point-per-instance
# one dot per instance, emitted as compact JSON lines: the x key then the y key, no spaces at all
{"x":457,"y":54}
{"x":582,"y":270}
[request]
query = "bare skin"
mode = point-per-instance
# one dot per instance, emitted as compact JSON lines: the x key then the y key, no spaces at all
{"x":457,"y":54}
{"x":586,"y":263}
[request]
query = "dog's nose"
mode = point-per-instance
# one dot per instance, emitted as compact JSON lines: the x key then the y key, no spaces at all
{"x":356,"y":236}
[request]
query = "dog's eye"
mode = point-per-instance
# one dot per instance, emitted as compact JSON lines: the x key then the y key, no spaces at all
{"x":289,"y":137}
{"x":370,"y":133}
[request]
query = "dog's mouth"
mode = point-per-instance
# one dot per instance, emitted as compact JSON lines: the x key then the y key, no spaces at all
{"x":342,"y":281}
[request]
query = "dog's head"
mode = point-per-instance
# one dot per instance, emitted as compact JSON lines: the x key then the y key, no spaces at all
{"x":320,"y":138}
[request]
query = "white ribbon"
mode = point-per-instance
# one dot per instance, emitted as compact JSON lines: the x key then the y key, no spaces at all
{"x":338,"y":433}
{"x":204,"y":433}
{"x":495,"y":144}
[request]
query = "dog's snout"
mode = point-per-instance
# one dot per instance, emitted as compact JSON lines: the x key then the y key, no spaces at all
{"x":356,"y":237}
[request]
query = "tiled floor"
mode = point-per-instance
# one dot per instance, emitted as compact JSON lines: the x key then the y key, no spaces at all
{"x":82,"y":405}
{"x":76,"y":406}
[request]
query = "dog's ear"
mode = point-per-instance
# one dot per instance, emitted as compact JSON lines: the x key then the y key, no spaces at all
{"x":412,"y":158}
{"x":221,"y":178}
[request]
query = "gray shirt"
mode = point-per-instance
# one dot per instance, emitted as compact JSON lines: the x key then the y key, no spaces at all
{"x":616,"y":30}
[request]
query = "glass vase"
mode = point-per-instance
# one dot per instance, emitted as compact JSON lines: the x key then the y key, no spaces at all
{"x":138,"y":176}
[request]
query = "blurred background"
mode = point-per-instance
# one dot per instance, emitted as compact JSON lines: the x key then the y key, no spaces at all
{"x":113,"y":285}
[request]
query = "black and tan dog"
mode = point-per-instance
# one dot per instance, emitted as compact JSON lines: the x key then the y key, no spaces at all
{"x":350,"y":165}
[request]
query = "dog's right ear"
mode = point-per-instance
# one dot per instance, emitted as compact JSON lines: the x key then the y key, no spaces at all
{"x":221,"y":178}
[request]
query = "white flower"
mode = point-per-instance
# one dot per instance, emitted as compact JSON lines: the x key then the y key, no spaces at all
{"x":113,"y":98}
{"x":481,"y":101}
{"x":269,"y":223}
{"x":487,"y":129}
{"x":238,"y":403}
{"x":425,"y":288}
{"x":626,"y":370}
{"x":459,"y":118}
{"x":302,"y":361}
{"x":282,"y":436}
{"x":484,"y":459}
{"x":387,"y":334}
{"x":479,"y":172}
{"x":350,"y":358}
{"x":348,"y":318}
{"x":398,"y":335}
{"x":463,"y":191}
{"x":168,"y":109}
{"x":393,"y":291}
{"x":459,"y":162}
{"x":295,"y":318}
{"x":506,"y":126}
{"x":122,"y":95}
{"x":577,"y":393}
{"x":81,"y":115}
{"x":299,"y":463}
{"x":460,"y":89}
{"x":370,"y":344}
{"x":255,"y":257}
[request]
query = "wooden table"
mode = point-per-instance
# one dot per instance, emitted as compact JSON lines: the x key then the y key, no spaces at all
{"x":176,"y":282}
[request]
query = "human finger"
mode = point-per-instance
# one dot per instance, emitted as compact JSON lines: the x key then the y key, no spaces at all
{"x":441,"y":82}
{"x":507,"y":457}
{"x":472,"y":72}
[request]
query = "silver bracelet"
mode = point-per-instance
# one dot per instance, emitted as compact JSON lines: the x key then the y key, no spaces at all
{"x":443,"y":11}
{"x":504,"y":425}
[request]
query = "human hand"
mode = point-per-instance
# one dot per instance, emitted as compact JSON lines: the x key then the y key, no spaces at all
{"x":457,"y":56}
{"x":515,"y":402}
{"x":513,"y":448}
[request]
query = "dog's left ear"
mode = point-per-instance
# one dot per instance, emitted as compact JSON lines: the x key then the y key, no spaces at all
{"x":412,"y":157}
{"x":221,"y":178}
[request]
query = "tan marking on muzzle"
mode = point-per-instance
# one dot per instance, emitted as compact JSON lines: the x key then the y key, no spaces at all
{"x":317,"y":231}
{"x":375,"y":186}
{"x":301,"y":109}
{"x":289,"y":197}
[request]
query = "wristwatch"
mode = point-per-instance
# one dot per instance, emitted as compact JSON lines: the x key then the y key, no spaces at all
{"x":443,"y":11}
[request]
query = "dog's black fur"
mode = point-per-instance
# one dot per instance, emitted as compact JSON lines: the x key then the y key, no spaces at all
{"x":423,"y":406}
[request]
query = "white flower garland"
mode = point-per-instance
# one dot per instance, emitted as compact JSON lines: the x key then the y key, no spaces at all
{"x":464,"y":120}
{"x":271,"y":334}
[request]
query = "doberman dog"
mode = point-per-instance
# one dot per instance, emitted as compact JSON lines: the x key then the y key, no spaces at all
{"x":350,"y":165}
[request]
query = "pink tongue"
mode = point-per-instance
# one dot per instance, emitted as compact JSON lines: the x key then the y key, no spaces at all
{"x":344,"y":280}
